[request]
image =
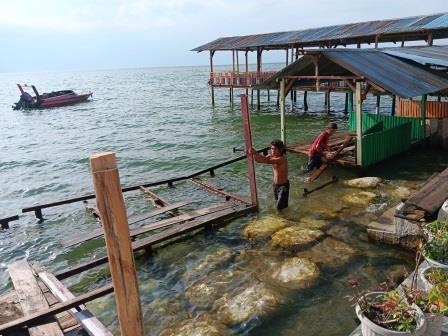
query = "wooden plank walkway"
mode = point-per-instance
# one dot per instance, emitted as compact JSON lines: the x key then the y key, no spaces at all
{"x":428,"y":200}
{"x":31,"y":298}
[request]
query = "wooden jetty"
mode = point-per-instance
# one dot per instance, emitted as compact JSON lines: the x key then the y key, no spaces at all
{"x":40,"y":303}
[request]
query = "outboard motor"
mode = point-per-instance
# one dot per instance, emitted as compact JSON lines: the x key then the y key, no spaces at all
{"x":25,"y":101}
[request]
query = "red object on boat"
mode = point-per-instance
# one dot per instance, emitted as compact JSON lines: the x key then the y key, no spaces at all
{"x":46,"y":100}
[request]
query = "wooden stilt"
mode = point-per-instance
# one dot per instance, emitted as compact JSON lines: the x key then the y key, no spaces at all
{"x":305,"y":101}
{"x":392,"y":113}
{"x":248,"y":144}
{"x":346,"y":103}
{"x":119,"y":250}
{"x":269,"y":96}
{"x":358,"y":124}
{"x":278,"y":98}
{"x":212,"y":52}
{"x":247,"y":73}
{"x":251,"y":97}
{"x":423,"y":111}
{"x":350,"y":101}
{"x":327,"y":101}
{"x":282,"y":110}
{"x":378,"y":102}
{"x":259,"y":51}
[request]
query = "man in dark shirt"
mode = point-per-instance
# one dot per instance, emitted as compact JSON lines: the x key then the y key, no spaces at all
{"x":319,"y":145}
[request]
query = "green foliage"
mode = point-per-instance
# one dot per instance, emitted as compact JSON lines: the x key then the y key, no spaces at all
{"x":390,"y":311}
{"x":436,"y":245}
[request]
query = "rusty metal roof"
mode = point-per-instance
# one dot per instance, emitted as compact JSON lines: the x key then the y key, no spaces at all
{"x":362,"y":32}
{"x":388,"y":72}
{"x":436,"y":55}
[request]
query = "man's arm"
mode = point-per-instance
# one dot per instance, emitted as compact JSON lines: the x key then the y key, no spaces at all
{"x":263,"y":159}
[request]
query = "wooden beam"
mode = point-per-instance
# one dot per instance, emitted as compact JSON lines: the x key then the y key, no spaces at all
{"x":4,"y":222}
{"x":89,"y":322}
{"x":156,"y":200}
{"x":31,"y":298}
{"x":113,"y":216}
{"x":358,"y":124}
{"x":219,"y":192}
{"x":35,"y":317}
{"x":282,"y":110}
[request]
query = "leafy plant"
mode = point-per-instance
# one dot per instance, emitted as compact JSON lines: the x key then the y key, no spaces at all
{"x":437,"y":276}
{"x":390,"y":311}
{"x":436,"y":245}
{"x":435,"y":302}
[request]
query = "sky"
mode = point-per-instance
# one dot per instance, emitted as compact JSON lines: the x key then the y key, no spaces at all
{"x":49,"y":35}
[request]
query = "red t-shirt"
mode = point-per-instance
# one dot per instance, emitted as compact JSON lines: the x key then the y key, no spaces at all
{"x":319,"y":144}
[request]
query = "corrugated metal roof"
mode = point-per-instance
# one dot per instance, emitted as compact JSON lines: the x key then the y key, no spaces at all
{"x":436,"y":55}
{"x":390,"y":73}
{"x":337,"y":33}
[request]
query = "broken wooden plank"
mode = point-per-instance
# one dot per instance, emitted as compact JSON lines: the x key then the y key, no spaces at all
{"x":35,"y":317}
{"x":31,"y":298}
{"x":220,"y":192}
{"x":132,"y":220}
{"x":211,"y":219}
{"x":89,"y":322}
{"x":155,"y":199}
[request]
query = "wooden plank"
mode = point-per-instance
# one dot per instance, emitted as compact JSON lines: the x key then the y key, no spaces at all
{"x":155,"y":199}
{"x":89,"y":322}
{"x":110,"y":203}
{"x":132,"y":220}
{"x":35,"y":317}
{"x":212,"y":218}
{"x":31,"y":298}
{"x":220,"y":192}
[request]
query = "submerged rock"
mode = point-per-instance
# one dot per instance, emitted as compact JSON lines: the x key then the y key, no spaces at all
{"x":312,"y":223}
{"x":401,"y":192}
{"x":360,"y":198}
{"x":330,"y":252}
{"x":221,"y":255}
{"x":296,"y":272}
{"x":201,"y":294}
{"x":252,"y":302}
{"x":202,"y":326}
{"x":363,"y":182}
{"x":264,"y":227}
{"x":295,"y":236}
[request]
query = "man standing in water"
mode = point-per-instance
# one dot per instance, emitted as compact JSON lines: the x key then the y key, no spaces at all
{"x":279,"y":164}
{"x":319,"y":145}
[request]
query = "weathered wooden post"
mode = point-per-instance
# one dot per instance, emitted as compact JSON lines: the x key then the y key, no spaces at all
{"x":282,"y":110}
{"x":423,"y":111}
{"x":305,"y":101}
{"x":378,"y":103}
{"x":114,"y":219}
{"x":212,"y":77}
{"x":248,"y":144}
{"x":358,"y":124}
{"x":394,"y":102}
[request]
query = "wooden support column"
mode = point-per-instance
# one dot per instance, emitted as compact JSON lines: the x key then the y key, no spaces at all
{"x":346,"y":103}
{"x":378,"y":102}
{"x":429,"y":39}
{"x":350,"y":101}
{"x":358,"y":124}
{"x":248,"y":144}
{"x":327,"y":101}
{"x":282,"y":110}
{"x":305,"y":101}
{"x":376,"y":41}
{"x":292,"y":61}
{"x":237,"y":63}
{"x":392,"y":112}
{"x":247,"y":72}
{"x":113,"y":216}
{"x":259,"y":51}
{"x":232,"y":78}
{"x":212,"y":52}
{"x":423,"y":111}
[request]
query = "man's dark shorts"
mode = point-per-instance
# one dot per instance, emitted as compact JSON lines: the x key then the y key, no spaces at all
{"x":281,"y":193}
{"x":314,"y":161}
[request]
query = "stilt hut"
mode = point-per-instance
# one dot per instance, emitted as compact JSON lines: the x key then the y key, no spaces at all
{"x":426,"y":28}
{"x":362,"y":72}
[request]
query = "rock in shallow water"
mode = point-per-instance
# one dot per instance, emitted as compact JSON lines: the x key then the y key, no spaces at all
{"x":263,"y":227}
{"x":254,"y":301}
{"x":312,"y":223}
{"x":295,"y":272}
{"x":360,"y":199}
{"x":295,"y":236}
{"x":363,"y":182}
{"x":201,"y":294}
{"x":330,"y":252}
{"x":202,"y":326}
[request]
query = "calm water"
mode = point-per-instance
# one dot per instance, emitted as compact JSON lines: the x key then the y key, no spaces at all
{"x":160,"y":123}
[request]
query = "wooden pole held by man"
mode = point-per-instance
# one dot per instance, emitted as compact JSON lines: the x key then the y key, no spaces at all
{"x":114,"y":219}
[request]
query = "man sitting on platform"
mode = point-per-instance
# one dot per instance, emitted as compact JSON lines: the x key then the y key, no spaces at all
{"x":279,"y":164}
{"x":319,"y":145}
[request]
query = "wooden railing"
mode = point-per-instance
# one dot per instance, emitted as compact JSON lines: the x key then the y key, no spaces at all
{"x":239,"y":79}
{"x":412,"y":109}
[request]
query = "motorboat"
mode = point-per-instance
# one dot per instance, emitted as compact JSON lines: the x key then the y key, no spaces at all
{"x":46,"y":100}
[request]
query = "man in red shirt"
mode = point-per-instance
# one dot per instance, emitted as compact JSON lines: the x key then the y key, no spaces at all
{"x":319,"y":145}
